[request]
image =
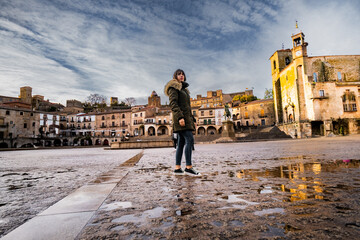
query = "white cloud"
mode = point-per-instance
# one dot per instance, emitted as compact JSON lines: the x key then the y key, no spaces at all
{"x":127,"y":49}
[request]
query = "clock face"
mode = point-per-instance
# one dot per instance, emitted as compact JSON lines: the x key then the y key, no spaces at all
{"x":298,"y":53}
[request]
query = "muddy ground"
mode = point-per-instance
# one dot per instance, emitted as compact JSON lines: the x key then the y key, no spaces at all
{"x":291,"y":189}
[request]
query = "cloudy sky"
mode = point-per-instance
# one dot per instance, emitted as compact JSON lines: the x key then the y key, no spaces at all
{"x":69,"y":49}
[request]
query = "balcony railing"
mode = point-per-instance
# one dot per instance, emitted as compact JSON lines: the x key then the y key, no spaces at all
{"x":262,"y":116}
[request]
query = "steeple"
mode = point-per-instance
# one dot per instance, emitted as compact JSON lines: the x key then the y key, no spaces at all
{"x":299,"y":44}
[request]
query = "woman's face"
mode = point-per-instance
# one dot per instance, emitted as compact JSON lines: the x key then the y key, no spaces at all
{"x":180,"y":76}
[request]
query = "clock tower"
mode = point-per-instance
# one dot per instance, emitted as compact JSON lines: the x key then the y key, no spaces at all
{"x":299,"y":45}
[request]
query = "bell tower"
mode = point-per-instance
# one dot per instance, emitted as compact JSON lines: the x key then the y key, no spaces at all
{"x":299,"y":45}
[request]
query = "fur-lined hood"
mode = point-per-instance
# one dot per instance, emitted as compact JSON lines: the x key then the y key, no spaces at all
{"x":177,"y":85}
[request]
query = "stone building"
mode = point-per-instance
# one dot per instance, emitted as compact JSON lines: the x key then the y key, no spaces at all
{"x":18,"y":126}
{"x":74,"y":106}
{"x":112,"y":126}
{"x":315,"y":95}
{"x":216,"y":98}
{"x":254,"y":113}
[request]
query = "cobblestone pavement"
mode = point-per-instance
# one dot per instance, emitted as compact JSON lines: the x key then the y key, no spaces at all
{"x":290,"y":189}
{"x":293,"y":189}
{"x":31,"y":181}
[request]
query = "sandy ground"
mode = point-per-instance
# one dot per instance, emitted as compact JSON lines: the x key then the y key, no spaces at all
{"x":291,"y":189}
{"x":31,"y":181}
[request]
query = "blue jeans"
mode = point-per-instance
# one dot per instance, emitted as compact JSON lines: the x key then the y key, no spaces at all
{"x":185,"y":139}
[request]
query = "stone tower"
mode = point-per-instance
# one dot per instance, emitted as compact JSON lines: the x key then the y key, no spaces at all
{"x":26,"y":94}
{"x":154,"y":100}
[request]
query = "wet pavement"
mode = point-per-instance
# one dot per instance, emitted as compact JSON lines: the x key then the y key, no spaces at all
{"x":291,"y":189}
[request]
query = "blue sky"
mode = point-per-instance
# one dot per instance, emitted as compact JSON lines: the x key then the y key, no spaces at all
{"x":69,"y":49}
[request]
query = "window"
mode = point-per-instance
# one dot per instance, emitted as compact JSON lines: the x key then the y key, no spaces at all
{"x":140,"y":114}
{"x":353,"y":106}
{"x":33,"y":124}
{"x":287,"y":61}
{"x":274,"y":63}
{"x":21,"y":113}
{"x":205,"y":121}
{"x":345,"y":108}
{"x":112,"y":117}
{"x":32,"y":114}
{"x":123,"y":123}
{"x":7,"y":112}
{"x":315,"y":77}
{"x":164,"y":121}
{"x":211,"y":112}
{"x":339,"y":76}
{"x":262,"y":122}
{"x":123,"y":116}
{"x":322,"y":93}
{"x":113,"y":124}
{"x":202,"y":113}
{"x":209,"y":121}
{"x":159,"y":121}
{"x":102,"y":118}
{"x":25,"y":125}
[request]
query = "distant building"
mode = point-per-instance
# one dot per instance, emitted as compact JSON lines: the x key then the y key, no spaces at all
{"x":73,"y":106}
{"x":315,"y":95}
{"x":154,"y":100}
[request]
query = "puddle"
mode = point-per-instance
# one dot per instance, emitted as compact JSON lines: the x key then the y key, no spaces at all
{"x":115,"y":205}
{"x":236,"y":223}
{"x":275,"y":231}
{"x":269,"y":211}
{"x":133,"y":218}
{"x":265,"y":190}
{"x":234,"y":198}
{"x":217,"y":224}
{"x":305,"y":179}
{"x":118,"y":228}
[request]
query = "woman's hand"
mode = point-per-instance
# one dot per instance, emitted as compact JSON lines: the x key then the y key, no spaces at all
{"x":182,"y":122}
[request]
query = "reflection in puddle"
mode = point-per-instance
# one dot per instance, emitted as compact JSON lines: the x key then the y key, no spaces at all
{"x":153,"y":213}
{"x":234,"y":198}
{"x":266,"y":190}
{"x":115,"y":205}
{"x":217,"y":223}
{"x":236,"y":223}
{"x":305,"y":177}
{"x":118,"y":228}
{"x":269,"y":211}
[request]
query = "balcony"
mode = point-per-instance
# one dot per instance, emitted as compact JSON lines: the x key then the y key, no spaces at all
{"x":103,"y":126}
{"x":4,"y":125}
{"x":262,"y":116}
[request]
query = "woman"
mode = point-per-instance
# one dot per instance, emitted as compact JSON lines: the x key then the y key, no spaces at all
{"x":183,"y":120}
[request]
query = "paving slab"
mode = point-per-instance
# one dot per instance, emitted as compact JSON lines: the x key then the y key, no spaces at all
{"x":86,"y":198}
{"x":54,"y":227}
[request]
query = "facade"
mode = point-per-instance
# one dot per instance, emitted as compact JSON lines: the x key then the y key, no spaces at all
{"x":315,"y":95}
{"x":255,"y":113}
{"x":18,"y":126}
{"x":216,"y":98}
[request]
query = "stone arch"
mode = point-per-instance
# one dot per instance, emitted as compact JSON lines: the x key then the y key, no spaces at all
{"x":162,"y":130}
{"x":3,"y":145}
{"x":151,"y":131}
{"x":201,"y":131}
{"x":65,"y":142}
{"x":220,"y":130}
{"x":98,"y":142}
{"x":211,"y":130}
{"x":106,"y":142}
{"x":57,"y":142}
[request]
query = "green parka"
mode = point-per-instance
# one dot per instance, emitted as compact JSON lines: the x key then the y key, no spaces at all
{"x":179,"y":97}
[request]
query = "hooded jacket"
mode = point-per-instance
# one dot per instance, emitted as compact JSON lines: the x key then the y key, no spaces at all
{"x":179,"y":98}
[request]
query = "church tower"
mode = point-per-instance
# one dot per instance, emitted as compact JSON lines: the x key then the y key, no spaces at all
{"x":154,"y":100}
{"x":299,"y":45}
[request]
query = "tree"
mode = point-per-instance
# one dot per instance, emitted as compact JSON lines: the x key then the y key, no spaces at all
{"x":96,"y":99}
{"x":130,"y":101}
{"x":236,"y":98}
{"x":268,"y":93}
